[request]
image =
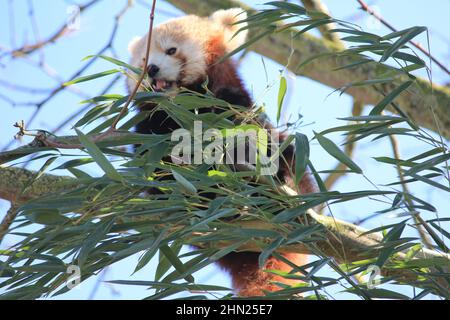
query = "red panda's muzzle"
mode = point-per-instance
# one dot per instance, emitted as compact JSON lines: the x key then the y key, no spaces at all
{"x":160,"y":85}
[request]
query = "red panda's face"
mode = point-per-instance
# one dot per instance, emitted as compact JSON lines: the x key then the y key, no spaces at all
{"x":182,"y":49}
{"x":175,"y":59}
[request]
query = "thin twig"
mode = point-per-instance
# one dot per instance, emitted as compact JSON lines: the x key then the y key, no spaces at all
{"x":35,"y":28}
{"x":141,"y":79}
{"x":366,"y":8}
{"x":29,"y":49}
{"x":420,"y":223}
{"x":77,"y":113}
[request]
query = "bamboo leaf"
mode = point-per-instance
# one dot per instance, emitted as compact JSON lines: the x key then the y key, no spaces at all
{"x":335,"y":152}
{"x":378,"y":109}
{"x":175,"y":261}
{"x":91,"y":77}
{"x":267,"y":252}
{"x":301,"y":156}
{"x":99,"y":157}
{"x":94,"y":239}
{"x":405,"y":38}
{"x":185,"y":184}
{"x":281,"y":95}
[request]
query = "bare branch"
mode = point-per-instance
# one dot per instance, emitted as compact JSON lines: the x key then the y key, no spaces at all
{"x":44,"y":141}
{"x":142,"y":77}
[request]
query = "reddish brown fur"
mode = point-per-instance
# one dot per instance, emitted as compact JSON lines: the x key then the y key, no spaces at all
{"x":249,"y":280}
{"x":214,"y":50}
{"x":224,"y":74}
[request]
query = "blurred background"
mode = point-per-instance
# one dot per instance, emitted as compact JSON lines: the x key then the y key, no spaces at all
{"x":30,"y":90}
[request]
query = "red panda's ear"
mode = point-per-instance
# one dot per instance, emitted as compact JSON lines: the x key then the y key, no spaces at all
{"x":228,"y":19}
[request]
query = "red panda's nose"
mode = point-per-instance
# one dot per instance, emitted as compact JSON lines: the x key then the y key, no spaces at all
{"x":153,"y":70}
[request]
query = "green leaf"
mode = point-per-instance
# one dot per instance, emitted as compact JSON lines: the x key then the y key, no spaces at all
{"x":159,"y":285}
{"x":101,"y":229}
{"x":314,"y":25}
{"x":281,"y":95}
{"x":47,"y":217}
{"x":74,"y":163}
{"x":302,"y":233}
{"x":91,"y":77}
{"x":133,"y":248}
{"x":377,"y":293}
{"x":364,"y":83}
{"x":390,"y":98}
{"x":430,"y":262}
{"x":116,"y":62}
{"x":79,"y":173}
{"x":337,"y":153}
{"x":267,"y":252}
{"x":224,"y":251}
{"x":150,"y":252}
{"x":185,"y":184}
{"x":428,"y":164}
{"x":393,"y":235}
{"x":175,"y":261}
{"x":40,"y":172}
{"x":430,"y":182}
{"x":354,"y":64}
{"x":289,"y":214}
{"x":102,"y":98}
{"x":288,"y":7}
{"x":301,"y":156}
{"x":164,"y":264}
{"x":99,"y":157}
{"x":314,"y":57}
{"x":320,"y":183}
{"x":374,"y":118}
{"x":406,"y":37}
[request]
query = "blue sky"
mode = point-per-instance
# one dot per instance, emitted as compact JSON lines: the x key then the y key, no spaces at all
{"x":312,"y":100}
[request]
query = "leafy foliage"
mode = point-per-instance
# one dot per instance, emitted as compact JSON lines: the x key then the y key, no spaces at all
{"x":109,"y":218}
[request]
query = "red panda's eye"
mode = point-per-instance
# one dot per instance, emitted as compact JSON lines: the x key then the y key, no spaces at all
{"x":171,"y":51}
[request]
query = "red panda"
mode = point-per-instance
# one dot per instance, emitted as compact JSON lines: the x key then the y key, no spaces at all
{"x":184,"y":53}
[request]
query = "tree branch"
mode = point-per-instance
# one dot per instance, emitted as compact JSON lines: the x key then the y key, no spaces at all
{"x":44,"y":141}
{"x":416,"y":101}
{"x":317,"y":5}
{"x":15,"y":184}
